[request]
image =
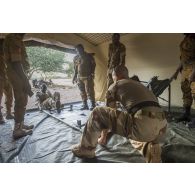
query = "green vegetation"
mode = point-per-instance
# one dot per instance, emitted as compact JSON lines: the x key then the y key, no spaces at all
{"x":48,"y":61}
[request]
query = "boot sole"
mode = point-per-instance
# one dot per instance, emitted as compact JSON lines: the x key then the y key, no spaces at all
{"x":83,"y":156}
{"x":20,"y":136}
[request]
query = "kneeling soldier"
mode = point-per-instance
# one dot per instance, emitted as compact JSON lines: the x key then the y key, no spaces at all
{"x":143,"y":121}
{"x":47,"y":101}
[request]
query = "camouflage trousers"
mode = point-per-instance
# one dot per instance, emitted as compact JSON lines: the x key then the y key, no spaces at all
{"x":188,"y":89}
{"x":109,"y":78}
{"x":86,"y":87}
{"x":6,"y":88}
{"x":49,"y":103}
{"x":21,"y":98}
{"x":140,"y":128}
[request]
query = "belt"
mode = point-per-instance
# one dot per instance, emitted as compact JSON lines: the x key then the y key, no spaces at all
{"x":153,"y":115}
{"x":141,"y":105}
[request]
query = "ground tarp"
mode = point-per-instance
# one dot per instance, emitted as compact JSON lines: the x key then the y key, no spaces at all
{"x":52,"y":139}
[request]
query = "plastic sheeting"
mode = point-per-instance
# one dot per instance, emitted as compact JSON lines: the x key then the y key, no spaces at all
{"x":51,"y":141}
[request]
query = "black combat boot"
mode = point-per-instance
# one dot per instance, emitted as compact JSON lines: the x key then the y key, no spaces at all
{"x":57,"y":102}
{"x":2,"y":121}
{"x":191,"y":124}
{"x":84,"y":106}
{"x":58,"y":106}
{"x":92,"y":105}
{"x":186,"y":116}
{"x":9,"y":116}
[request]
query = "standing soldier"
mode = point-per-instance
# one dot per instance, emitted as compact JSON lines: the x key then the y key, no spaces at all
{"x":187,"y":69}
{"x":116,"y":56}
{"x":84,"y":67}
{"x":16,"y":62}
{"x":5,"y":87}
{"x":143,"y":121}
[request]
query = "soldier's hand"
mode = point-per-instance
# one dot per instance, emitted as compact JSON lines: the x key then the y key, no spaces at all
{"x":74,"y":80}
{"x":192,"y":77}
{"x":92,"y":76}
{"x":27,"y":86}
{"x":175,"y":75}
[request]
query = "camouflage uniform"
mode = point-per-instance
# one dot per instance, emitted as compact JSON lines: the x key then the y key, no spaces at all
{"x":14,"y":51}
{"x":5,"y":86}
{"x":84,"y":67}
{"x":187,"y":48}
{"x":116,"y":57}
{"x":144,"y":127}
{"x":47,"y":100}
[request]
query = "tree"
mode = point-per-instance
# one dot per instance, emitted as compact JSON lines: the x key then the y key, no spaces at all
{"x":70,"y":69}
{"x":45,"y":60}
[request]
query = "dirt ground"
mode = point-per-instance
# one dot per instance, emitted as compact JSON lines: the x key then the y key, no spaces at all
{"x":68,"y":94}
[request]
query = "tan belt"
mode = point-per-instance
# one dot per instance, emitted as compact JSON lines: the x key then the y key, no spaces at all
{"x":153,"y":115}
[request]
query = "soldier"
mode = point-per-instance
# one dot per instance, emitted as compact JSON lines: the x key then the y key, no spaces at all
{"x":187,"y":69}
{"x":116,"y":56}
{"x":143,"y":121}
{"x":5,"y":87}
{"x":84,"y":67}
{"x":46,"y":100}
{"x":16,"y":62}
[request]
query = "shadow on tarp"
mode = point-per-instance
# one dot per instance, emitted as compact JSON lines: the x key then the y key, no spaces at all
{"x":52,"y":140}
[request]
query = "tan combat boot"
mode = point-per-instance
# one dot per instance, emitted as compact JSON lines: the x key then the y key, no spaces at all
{"x":153,"y":153}
{"x":27,"y":127}
{"x":9,"y":116}
{"x":19,"y":131}
{"x":83,"y":152}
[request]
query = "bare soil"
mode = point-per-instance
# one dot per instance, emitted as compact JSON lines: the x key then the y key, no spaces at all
{"x":68,"y":94}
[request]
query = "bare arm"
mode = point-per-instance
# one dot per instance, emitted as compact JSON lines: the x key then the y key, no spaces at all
{"x":192,"y":76}
{"x":110,"y":97}
{"x":179,"y":69}
{"x":109,"y":55}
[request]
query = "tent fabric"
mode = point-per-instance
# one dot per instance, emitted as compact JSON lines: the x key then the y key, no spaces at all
{"x":147,"y":55}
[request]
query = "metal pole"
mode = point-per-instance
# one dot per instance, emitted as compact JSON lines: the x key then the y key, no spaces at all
{"x":75,"y":128}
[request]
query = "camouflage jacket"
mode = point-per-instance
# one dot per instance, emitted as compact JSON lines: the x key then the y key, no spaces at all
{"x":129,"y":93}
{"x":116,"y":55}
{"x":84,"y":66}
{"x":41,"y":97}
{"x":2,"y":63}
{"x":187,"y":48}
{"x":14,"y":51}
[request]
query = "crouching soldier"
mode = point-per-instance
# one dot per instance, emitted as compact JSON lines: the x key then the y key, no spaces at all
{"x":84,"y":66}
{"x":143,"y":122}
{"x":47,"y":101}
